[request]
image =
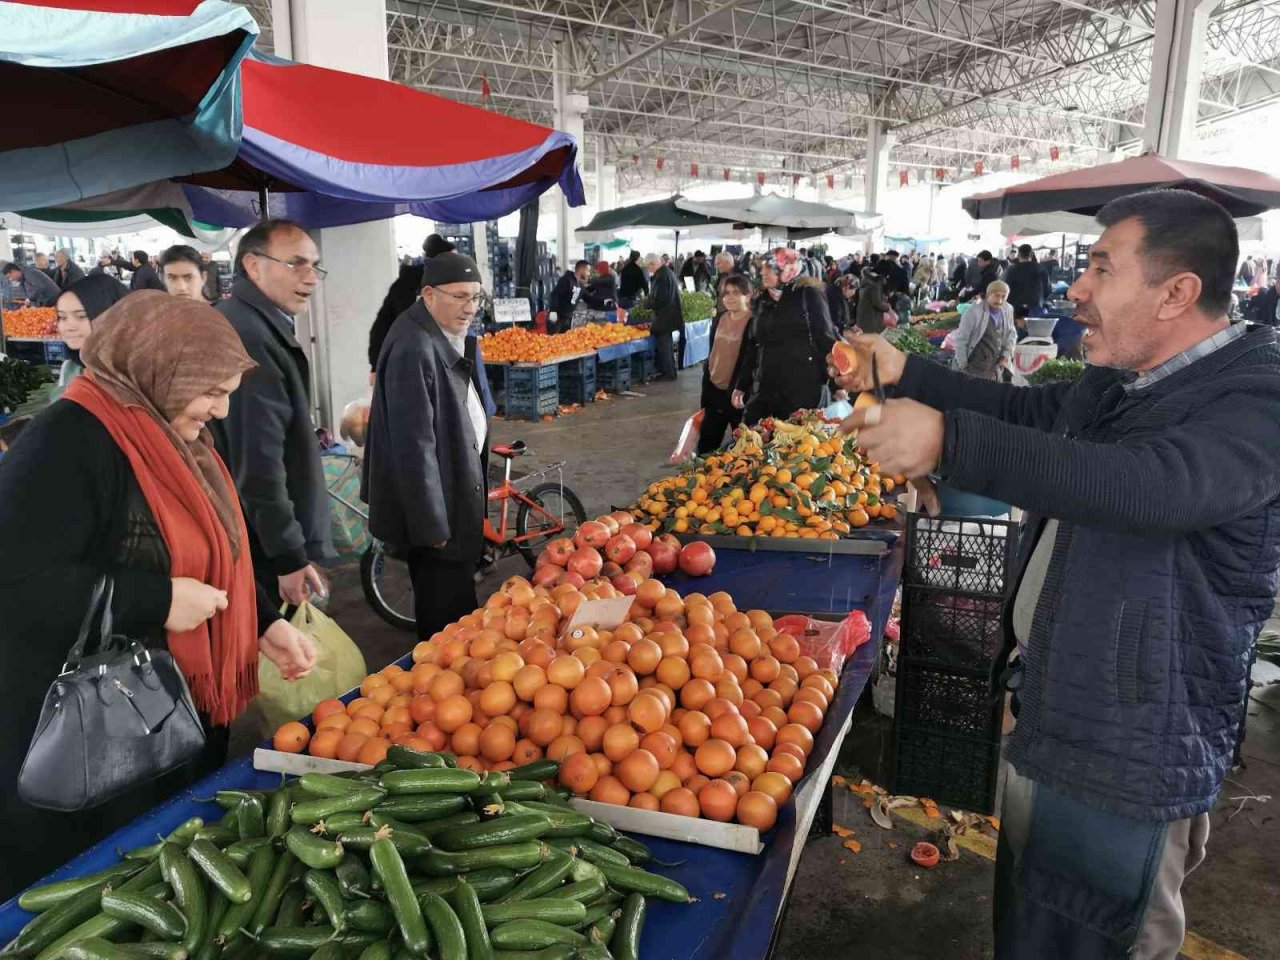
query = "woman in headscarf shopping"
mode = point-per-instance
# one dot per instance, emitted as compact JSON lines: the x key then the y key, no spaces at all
{"x":78,"y":306}
{"x":985,"y":339}
{"x":120,"y":478}
{"x":788,"y":340}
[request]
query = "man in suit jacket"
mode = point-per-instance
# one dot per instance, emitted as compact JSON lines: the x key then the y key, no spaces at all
{"x":268,"y":439}
{"x":664,"y":300}
{"x":426,"y":455}
{"x":144,"y":274}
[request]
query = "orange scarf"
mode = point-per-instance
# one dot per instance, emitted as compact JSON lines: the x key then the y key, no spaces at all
{"x":219,"y":658}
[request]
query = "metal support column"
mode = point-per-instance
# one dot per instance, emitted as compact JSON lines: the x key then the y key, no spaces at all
{"x":570,"y":108}
{"x":1174,"y":95}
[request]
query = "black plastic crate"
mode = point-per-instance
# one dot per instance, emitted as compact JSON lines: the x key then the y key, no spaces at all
{"x":932,"y":697}
{"x":518,"y":406}
{"x":951,"y":629}
{"x":529,"y":380}
{"x":964,"y":554}
{"x":614,"y":375}
{"x":578,"y":389}
{"x":642,"y":366}
{"x":956,"y":770}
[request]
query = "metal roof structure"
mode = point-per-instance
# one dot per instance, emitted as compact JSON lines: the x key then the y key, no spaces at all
{"x":786,"y":87}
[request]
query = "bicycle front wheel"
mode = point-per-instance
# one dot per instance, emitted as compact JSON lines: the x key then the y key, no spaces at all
{"x":565,"y":514}
{"x":388,"y":587}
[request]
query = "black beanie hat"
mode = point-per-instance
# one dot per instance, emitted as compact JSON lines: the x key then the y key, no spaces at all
{"x":449,"y":267}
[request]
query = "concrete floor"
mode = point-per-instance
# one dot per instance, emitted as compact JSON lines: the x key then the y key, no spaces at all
{"x":876,"y":903}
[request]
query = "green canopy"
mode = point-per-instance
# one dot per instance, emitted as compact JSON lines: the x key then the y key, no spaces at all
{"x":657,"y":213}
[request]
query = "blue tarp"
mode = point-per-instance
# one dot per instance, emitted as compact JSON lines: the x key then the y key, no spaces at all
{"x":696,"y":342}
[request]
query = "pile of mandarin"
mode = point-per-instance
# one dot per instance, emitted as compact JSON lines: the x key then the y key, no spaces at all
{"x":689,"y":707}
{"x":518,"y":345}
{"x":35,"y":322}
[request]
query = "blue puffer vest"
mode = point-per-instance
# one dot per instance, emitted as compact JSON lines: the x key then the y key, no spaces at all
{"x":1134,"y":678}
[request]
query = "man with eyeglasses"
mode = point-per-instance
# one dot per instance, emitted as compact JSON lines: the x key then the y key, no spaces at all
{"x":426,"y":456}
{"x":268,"y":439}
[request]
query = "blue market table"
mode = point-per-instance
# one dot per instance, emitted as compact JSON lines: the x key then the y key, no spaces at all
{"x":739,"y":897}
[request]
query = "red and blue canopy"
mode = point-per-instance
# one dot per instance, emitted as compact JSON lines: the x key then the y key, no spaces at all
{"x":112,"y":93}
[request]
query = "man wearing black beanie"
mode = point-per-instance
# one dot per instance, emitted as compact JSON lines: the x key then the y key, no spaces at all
{"x":401,"y":294}
{"x":425,"y":461}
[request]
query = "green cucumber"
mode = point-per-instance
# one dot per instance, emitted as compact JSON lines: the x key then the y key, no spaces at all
{"x":219,"y":834}
{"x":335,"y":824}
{"x":53,"y":923}
{"x":625,"y":943}
{"x":566,"y":913}
{"x":389,"y":868}
{"x":583,"y":891}
{"x":634,"y":850}
{"x":451,"y":939}
{"x":99,"y":925}
{"x":312,"y":850}
{"x":238,"y":915}
{"x":313,"y":811}
{"x":278,"y":814}
{"x":353,"y":876}
{"x":636,"y":880}
{"x":492,"y":781}
{"x":537,"y":770}
{"x":324,"y":890}
{"x":489,"y":883}
{"x":240,"y":851}
{"x":602,"y":832}
{"x":507,"y":829}
{"x":329,"y":785}
{"x":292,"y":908}
{"x":251,"y":818}
{"x":522,"y":790}
{"x":406,"y":758}
{"x":433,"y":828}
{"x":376,"y":951}
{"x":564,"y":821}
{"x":154,"y":951}
{"x":533,"y":935}
{"x":42,"y":898}
{"x":362,"y":838}
{"x":379,"y":819}
{"x":372,"y":916}
{"x":417,"y":807}
{"x":302,"y":942}
{"x":161,"y":918}
{"x":95,"y":948}
{"x":541,"y":880}
{"x":188,"y":890}
{"x":601,"y":932}
{"x":430,"y":780}
{"x":268,"y":906}
{"x":330,"y":951}
{"x":598,"y":853}
{"x":515,"y":856}
{"x":466,"y":905}
{"x":222,"y":873}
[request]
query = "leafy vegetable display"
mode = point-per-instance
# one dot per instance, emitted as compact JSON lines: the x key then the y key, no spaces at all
{"x":1057,"y":369}
{"x":18,"y":379}
{"x":911,"y":341}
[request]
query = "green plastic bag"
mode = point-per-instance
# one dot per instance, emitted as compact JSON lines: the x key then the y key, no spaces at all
{"x":339,"y":667}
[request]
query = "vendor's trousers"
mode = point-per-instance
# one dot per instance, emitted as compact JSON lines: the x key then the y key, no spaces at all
{"x":1074,"y":882}
{"x":443,"y":590}
{"x":664,"y":354}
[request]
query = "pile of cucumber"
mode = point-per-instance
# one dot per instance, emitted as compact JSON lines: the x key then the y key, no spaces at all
{"x":413,"y":858}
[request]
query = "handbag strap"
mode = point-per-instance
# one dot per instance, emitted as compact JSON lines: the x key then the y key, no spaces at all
{"x":99,"y":605}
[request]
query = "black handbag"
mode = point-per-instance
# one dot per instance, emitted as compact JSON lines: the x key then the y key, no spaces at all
{"x":114,"y":718}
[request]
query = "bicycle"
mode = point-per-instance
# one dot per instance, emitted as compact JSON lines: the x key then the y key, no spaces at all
{"x":541,"y":517}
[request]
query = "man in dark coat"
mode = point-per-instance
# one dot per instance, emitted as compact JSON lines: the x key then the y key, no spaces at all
{"x":1128,"y":705}
{"x":268,"y":439}
{"x":1265,"y":307}
{"x":565,"y":295}
{"x":426,"y":456}
{"x":668,"y":317}
{"x":67,"y":271}
{"x":403,"y":291}
{"x":144,"y":274}
{"x":43,"y":265}
{"x":1028,"y":282}
{"x":632,"y":282}
{"x":981,"y":271}
{"x":696,"y":269}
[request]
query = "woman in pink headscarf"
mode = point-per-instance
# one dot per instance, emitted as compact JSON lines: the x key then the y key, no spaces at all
{"x":784,"y":368}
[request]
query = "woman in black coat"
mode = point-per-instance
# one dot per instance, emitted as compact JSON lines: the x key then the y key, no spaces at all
{"x":724,"y":363}
{"x":787,"y":343}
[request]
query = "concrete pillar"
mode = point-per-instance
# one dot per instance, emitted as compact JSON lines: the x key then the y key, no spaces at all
{"x":608,"y":186}
{"x":480,"y":246}
{"x":346,"y":35}
{"x":878,"y":145}
{"x":570,"y":108}
{"x":1173,"y":97}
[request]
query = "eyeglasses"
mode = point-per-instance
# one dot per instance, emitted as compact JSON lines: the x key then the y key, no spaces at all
{"x":475,"y":298}
{"x":297,"y":266}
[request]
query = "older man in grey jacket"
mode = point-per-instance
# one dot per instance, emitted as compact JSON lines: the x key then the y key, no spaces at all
{"x":425,"y":461}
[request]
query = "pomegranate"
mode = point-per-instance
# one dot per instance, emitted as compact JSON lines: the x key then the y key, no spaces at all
{"x":620,"y":549}
{"x":670,"y":540}
{"x":592,"y":533}
{"x":641,"y":535}
{"x":571,"y":578}
{"x":626,"y":584}
{"x":697,"y":559}
{"x":586,"y":562}
{"x":623,"y":517}
{"x":609,"y":522}
{"x":559,"y":550}
{"x":641,"y":565}
{"x":610,"y":569}
{"x":665,"y":557}
{"x":546,"y":575}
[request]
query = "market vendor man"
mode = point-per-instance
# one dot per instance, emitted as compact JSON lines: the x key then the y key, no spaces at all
{"x":1147,"y":567}
{"x":425,"y":461}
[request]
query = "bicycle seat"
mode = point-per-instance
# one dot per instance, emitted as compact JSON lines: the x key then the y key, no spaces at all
{"x":509,"y":450}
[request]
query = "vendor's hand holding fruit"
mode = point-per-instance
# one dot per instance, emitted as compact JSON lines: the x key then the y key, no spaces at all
{"x":849,"y":364}
{"x":191,"y":603}
{"x":289,"y":649}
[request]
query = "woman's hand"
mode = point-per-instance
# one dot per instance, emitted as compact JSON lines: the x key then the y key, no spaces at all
{"x":289,"y":649}
{"x":737,"y":400}
{"x":890,"y":362}
{"x":192,"y":603}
